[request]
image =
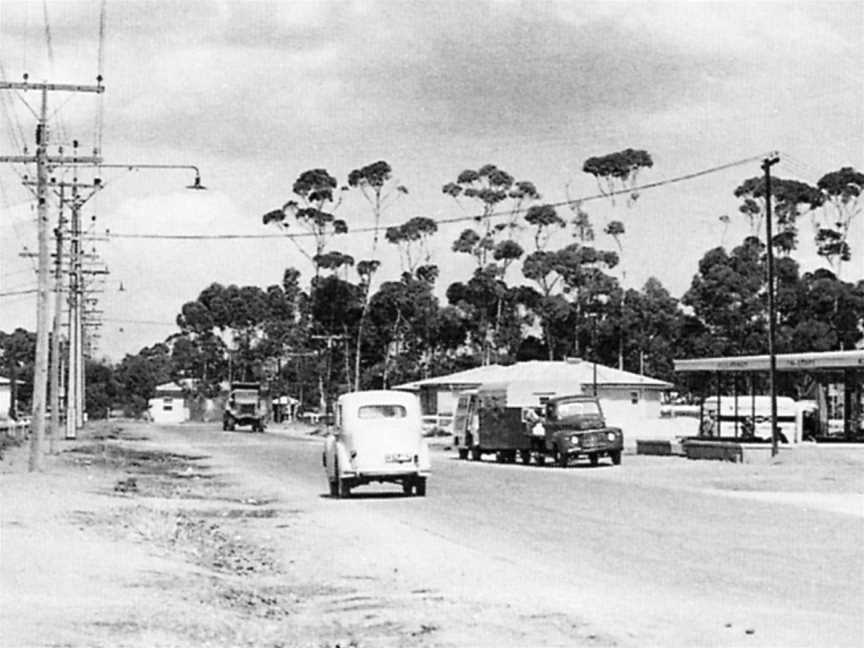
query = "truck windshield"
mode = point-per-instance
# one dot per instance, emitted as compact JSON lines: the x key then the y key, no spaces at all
{"x":246,"y":395}
{"x":381,"y":411}
{"x":578,"y":408}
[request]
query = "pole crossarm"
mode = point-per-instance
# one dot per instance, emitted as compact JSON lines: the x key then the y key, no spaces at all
{"x":59,"y":160}
{"x":51,"y":87}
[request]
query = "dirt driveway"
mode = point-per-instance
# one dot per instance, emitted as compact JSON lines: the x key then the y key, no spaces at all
{"x":146,"y":536}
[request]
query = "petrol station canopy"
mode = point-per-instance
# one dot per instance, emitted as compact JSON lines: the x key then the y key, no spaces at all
{"x":813,"y":361}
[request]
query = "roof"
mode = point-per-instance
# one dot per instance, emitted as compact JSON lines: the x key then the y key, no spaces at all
{"x":573,"y":371}
{"x":172,"y":387}
{"x":475,"y":376}
{"x":816,"y":360}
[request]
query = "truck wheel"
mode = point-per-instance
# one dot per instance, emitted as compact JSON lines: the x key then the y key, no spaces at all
{"x":476,"y":455}
{"x":616,"y":457}
{"x":540,"y":458}
{"x":224,"y":425}
{"x":526,"y":456}
{"x":463,"y":453}
{"x":561,"y":458}
{"x":334,"y":488}
{"x":344,"y":487}
{"x":594,"y":459}
{"x":420,"y":487}
{"x":407,"y":486}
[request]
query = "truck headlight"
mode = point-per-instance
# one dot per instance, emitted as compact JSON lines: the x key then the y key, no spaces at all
{"x":611,"y":436}
{"x":575,"y":439}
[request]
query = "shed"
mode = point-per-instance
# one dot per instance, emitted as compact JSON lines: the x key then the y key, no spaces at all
{"x":168,"y":404}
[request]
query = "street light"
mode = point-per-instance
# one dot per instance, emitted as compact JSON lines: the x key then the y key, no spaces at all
{"x":196,"y":183}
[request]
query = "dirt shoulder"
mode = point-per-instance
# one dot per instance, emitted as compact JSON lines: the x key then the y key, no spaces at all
{"x":122,"y":542}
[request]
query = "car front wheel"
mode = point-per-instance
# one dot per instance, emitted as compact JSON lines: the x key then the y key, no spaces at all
{"x":616,"y":457}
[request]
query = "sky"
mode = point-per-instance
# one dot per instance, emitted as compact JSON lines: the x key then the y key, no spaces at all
{"x":254,"y":93}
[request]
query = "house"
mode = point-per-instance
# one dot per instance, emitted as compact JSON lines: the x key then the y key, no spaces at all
{"x":5,"y":396}
{"x":168,"y":404}
{"x":624,"y":396}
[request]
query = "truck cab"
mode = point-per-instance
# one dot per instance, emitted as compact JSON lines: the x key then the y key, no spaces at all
{"x":575,"y":427}
{"x":244,"y":407}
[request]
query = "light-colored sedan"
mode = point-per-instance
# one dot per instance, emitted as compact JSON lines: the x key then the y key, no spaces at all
{"x":377,"y":437}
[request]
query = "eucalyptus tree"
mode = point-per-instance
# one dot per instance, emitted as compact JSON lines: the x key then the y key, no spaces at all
{"x":842,"y":191}
{"x":727,"y":296}
{"x":617,"y":173}
{"x":497,"y":194}
{"x":500,"y":199}
{"x":375,"y":183}
{"x":412,"y":238}
{"x":313,"y":209}
{"x":789,"y":197}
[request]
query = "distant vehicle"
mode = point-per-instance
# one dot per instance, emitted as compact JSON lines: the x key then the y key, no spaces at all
{"x":377,"y":437}
{"x":244,"y":407}
{"x":749,"y":418}
{"x":506,"y":420}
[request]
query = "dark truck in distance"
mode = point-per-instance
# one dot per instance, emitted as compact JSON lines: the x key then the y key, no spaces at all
{"x":244,"y":407}
{"x":510,"y":421}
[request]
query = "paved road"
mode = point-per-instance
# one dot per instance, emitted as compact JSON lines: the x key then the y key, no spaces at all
{"x":649,"y":561}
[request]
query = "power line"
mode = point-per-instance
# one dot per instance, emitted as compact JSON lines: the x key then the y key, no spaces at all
{"x":458,"y":219}
{"x":12,"y":293}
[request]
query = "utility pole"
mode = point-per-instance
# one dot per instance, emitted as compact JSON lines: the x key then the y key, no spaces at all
{"x":43,"y":161}
{"x":55,"y":330}
{"x":772,"y":359}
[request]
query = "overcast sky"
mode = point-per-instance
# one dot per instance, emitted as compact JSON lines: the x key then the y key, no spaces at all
{"x":254,"y":93}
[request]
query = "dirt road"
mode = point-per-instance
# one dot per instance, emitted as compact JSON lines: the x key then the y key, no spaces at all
{"x":244,"y":547}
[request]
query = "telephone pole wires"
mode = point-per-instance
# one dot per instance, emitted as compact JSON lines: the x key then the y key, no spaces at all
{"x":44,"y":163}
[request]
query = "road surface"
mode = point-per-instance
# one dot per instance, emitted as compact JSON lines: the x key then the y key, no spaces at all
{"x":640,"y":554}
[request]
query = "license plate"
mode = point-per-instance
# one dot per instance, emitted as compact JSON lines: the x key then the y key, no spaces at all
{"x":397,"y":458}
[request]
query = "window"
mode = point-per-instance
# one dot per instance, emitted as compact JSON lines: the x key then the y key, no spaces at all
{"x":578,"y":408}
{"x":381,"y":412}
{"x":167,"y":404}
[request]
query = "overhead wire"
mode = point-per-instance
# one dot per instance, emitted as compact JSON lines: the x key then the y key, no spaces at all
{"x":457,"y":219}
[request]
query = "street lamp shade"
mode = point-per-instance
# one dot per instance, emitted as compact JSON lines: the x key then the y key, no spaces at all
{"x":197,"y":184}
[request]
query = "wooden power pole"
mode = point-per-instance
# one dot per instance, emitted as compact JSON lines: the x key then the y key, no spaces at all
{"x":44,"y":162}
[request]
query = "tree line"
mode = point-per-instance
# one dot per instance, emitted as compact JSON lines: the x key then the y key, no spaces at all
{"x":528,"y":295}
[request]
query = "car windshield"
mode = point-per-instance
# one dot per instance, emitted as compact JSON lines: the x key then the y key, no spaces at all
{"x":381,"y":412}
{"x":567,"y":409}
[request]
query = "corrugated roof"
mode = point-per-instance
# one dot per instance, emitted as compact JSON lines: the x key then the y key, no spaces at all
{"x":573,"y":371}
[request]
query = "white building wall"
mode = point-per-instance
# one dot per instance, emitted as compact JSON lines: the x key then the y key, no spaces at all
{"x":5,"y":400}
{"x":620,"y":409}
{"x":168,"y":409}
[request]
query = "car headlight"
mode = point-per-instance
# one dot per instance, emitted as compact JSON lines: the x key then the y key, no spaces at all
{"x":611,"y":436}
{"x":575,"y":439}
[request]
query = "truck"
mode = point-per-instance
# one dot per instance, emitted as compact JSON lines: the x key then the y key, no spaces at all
{"x":245,"y":406}
{"x":512,"y":421}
